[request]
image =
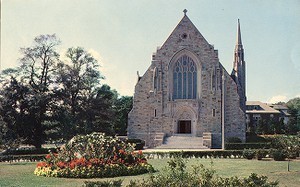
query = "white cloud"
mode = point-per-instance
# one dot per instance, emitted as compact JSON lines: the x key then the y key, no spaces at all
{"x":278,"y":98}
{"x":114,"y":77}
{"x":298,"y":95}
{"x":103,"y":68}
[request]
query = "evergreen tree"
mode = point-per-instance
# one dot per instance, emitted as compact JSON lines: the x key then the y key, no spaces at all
{"x":123,"y":107}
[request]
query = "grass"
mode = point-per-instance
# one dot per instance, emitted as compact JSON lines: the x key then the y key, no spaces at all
{"x":21,"y":174}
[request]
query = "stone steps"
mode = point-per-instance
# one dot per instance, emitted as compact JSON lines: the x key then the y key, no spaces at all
{"x":182,"y":142}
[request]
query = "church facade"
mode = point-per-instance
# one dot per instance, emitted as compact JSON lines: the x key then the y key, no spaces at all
{"x":186,"y":91}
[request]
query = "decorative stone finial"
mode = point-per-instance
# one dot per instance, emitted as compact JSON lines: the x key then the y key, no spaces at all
{"x":185,"y":11}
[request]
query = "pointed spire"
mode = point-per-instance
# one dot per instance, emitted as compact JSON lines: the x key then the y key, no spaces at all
{"x":239,"y":69}
{"x":239,"y":35}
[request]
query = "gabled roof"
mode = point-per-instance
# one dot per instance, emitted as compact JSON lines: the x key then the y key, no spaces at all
{"x":185,"y":24}
{"x":263,"y":108}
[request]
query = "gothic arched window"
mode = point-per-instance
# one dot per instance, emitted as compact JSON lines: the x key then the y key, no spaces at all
{"x":156,"y":80}
{"x":184,"y":78}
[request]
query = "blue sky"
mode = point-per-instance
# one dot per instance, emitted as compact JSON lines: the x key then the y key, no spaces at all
{"x":122,"y":35}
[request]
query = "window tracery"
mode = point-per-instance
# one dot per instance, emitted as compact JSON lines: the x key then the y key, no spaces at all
{"x":184,"y":78}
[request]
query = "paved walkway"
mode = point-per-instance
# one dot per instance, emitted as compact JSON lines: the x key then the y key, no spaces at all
{"x":179,"y":150}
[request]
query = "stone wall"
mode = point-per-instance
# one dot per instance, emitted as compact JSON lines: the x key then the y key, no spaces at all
{"x":235,"y":118}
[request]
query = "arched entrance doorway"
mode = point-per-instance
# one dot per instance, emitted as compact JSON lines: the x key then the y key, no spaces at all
{"x":185,"y":121}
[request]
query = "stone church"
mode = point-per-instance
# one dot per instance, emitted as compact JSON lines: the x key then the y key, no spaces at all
{"x":186,"y":92}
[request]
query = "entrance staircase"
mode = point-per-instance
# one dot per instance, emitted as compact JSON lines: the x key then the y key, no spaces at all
{"x":182,"y":142}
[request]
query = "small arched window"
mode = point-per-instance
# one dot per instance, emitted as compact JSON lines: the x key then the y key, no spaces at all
{"x":213,"y":80}
{"x":184,"y":78}
{"x":156,"y":80}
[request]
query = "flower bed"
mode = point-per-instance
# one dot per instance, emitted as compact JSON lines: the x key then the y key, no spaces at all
{"x":94,"y":155}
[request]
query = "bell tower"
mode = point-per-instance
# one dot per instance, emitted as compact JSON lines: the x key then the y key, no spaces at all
{"x":239,"y":69}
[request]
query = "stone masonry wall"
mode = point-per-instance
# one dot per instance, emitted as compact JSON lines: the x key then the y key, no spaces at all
{"x":235,"y":119}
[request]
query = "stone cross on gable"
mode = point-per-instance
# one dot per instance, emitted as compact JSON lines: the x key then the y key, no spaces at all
{"x":185,"y":11}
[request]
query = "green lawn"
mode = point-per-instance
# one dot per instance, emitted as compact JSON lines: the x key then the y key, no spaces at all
{"x":21,"y":174}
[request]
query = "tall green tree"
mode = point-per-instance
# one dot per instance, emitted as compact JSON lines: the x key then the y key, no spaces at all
{"x":293,"y":125}
{"x":101,"y":114}
{"x":123,"y":107}
{"x":14,"y":108}
{"x":47,"y":98}
{"x":38,"y":63}
{"x":78,"y":80}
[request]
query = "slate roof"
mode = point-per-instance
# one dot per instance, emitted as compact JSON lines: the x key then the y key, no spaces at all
{"x":279,"y":107}
{"x":282,"y":108}
{"x":261,"y":108}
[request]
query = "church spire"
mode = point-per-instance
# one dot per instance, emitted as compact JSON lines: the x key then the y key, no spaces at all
{"x":239,"y":45}
{"x":239,"y":36}
{"x":239,"y":69}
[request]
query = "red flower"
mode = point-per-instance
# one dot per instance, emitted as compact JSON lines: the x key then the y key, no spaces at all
{"x":80,"y":162}
{"x":140,"y":152}
{"x":72,"y":165}
{"x":41,"y":164}
{"x":95,"y":161}
{"x":61,"y":165}
{"x":121,"y":160}
{"x":48,"y":156}
{"x":115,"y":157}
{"x":121,"y":151}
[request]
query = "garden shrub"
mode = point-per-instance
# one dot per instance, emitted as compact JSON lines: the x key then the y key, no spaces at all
{"x":289,"y":144}
{"x":248,"y":153}
{"x":94,"y":155}
{"x":278,"y":155}
{"x":110,"y":183}
{"x":176,"y":174}
{"x":260,"y":153}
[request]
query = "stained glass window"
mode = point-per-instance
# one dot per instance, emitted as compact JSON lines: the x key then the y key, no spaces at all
{"x":184,"y":78}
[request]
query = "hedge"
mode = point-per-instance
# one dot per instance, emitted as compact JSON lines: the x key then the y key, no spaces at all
{"x":34,"y":151}
{"x":196,"y":154}
{"x":259,"y":153}
{"x":32,"y":158}
{"x":149,"y":155}
{"x":241,"y":146}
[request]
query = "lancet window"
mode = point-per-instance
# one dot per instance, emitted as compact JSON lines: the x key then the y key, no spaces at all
{"x":184,"y":78}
